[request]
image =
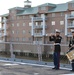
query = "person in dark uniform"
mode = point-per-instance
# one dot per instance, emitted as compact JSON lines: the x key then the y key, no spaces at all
{"x":57,"y":49}
{"x":71,"y":47}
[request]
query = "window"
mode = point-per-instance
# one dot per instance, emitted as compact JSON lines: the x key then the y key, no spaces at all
{"x":41,"y":23}
{"x":53,"y":14}
{"x":61,"y":22}
{"x":23,"y":31}
{"x":62,"y":14}
{"x":12,"y":17}
{"x":23,"y":17}
{"x":29,"y":31}
{"x":62,"y":30}
{"x":43,"y":8}
{"x":23,"y":39}
{"x":30,"y":24}
{"x":42,"y":15}
{"x":23,"y":24}
{"x":52,"y":30}
{"x":36,"y":23}
{"x":72,"y":4}
{"x":17,"y":24}
{"x":18,"y":17}
{"x":29,"y":39}
{"x":72,"y":13}
{"x":17,"y":32}
{"x":30,"y":16}
{"x":12,"y":31}
{"x":12,"y":11}
{"x":12,"y":25}
{"x":12,"y":39}
{"x":17,"y":39}
{"x":53,"y":22}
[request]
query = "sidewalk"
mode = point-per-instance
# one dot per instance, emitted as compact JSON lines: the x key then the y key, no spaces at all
{"x":18,"y":68}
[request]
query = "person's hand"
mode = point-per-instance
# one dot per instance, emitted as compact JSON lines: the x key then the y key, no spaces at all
{"x":72,"y":45}
{"x":51,"y":34}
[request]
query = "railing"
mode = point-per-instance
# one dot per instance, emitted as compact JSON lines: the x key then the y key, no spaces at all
{"x":32,"y":53}
{"x":70,"y":25}
{"x":38,"y":18}
{"x":38,"y":34}
{"x":70,"y":16}
{"x":39,"y":26}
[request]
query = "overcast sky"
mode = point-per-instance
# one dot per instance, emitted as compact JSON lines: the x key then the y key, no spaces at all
{"x":6,"y":4}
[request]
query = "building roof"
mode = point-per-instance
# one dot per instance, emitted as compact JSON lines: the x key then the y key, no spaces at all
{"x":4,"y":15}
{"x":48,"y":4}
{"x":18,"y":8}
{"x":59,"y":8}
{"x":34,"y":10}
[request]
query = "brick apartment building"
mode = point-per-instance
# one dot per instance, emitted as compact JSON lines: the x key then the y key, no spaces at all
{"x":32,"y":24}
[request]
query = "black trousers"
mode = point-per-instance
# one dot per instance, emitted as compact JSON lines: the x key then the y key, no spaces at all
{"x":56,"y":59}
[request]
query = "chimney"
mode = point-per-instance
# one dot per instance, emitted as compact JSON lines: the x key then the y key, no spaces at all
{"x":27,"y":4}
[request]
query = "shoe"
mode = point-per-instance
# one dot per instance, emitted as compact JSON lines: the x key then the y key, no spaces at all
{"x":54,"y":68}
{"x":72,"y":70}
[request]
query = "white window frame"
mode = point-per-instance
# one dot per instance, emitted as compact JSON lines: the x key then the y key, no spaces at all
{"x":23,"y":31}
{"x":53,"y":14}
{"x":23,"y":39}
{"x":23,"y":24}
{"x":53,"y":22}
{"x":12,"y":24}
{"x":12,"y":31}
{"x":61,"y":22}
{"x":72,"y":13}
{"x":30,"y":24}
{"x":17,"y":24}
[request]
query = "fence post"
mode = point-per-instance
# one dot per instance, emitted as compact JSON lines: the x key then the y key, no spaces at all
{"x":11,"y":50}
{"x":39,"y":52}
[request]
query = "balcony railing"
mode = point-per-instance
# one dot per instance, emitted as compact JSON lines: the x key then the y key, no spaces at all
{"x":71,"y":25}
{"x":39,"y":26}
{"x":70,"y":16}
{"x":2,"y":34}
{"x":2,"y":21}
{"x":38,"y":34}
{"x":38,"y":18}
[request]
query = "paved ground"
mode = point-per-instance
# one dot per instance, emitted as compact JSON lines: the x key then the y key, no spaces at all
{"x":17,"y":69}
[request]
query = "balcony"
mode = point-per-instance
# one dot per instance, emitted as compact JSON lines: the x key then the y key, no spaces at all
{"x":71,"y":25}
{"x":2,"y":34}
{"x":37,"y":42}
{"x":39,"y":26}
{"x":2,"y":21}
{"x":38,"y":35}
{"x":2,"y":28}
{"x":38,"y":18}
{"x":70,"y":16}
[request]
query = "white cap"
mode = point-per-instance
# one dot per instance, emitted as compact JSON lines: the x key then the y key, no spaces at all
{"x":57,"y":30}
{"x":72,"y":30}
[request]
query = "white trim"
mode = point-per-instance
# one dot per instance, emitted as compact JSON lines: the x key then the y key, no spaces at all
{"x":32,"y":31}
{"x":66,"y":24}
{"x":44,"y":25}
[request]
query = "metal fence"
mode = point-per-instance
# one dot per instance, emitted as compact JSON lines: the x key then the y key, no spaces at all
{"x":30,"y":51}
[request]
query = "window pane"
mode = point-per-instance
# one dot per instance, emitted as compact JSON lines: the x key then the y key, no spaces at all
{"x":53,"y":22}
